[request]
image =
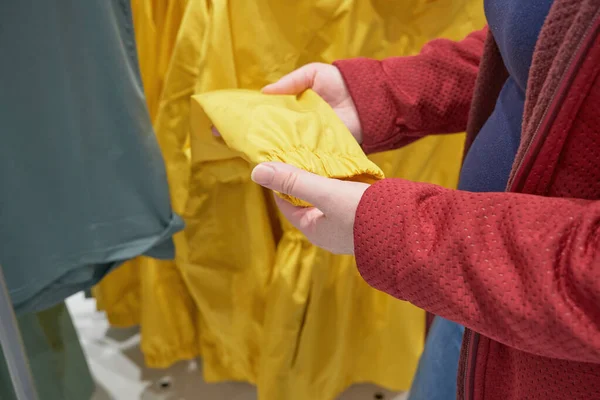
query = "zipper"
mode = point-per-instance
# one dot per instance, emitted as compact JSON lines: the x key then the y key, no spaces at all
{"x":466,"y":356}
{"x":470,"y":341}
{"x":518,"y":178}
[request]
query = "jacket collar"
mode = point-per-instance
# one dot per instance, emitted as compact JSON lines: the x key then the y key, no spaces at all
{"x":560,"y":43}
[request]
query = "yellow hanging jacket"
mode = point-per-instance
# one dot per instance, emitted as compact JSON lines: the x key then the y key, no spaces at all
{"x":273,"y":309}
{"x":145,"y":291}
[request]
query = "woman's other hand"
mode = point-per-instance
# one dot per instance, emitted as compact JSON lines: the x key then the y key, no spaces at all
{"x":326,"y":80}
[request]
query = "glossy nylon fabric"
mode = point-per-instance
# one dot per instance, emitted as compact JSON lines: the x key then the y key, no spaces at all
{"x":145,"y":291}
{"x":271,"y":308}
{"x":83,"y":181}
{"x":299,"y":130}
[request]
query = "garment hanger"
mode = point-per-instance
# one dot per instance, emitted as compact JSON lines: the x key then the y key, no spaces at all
{"x":13,"y":348}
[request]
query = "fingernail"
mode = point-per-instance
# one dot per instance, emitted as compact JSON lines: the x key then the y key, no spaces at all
{"x":263,"y":174}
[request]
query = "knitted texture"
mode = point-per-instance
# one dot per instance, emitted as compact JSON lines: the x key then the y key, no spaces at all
{"x":453,"y":253}
{"x":411,"y":97}
{"x":521,"y":269}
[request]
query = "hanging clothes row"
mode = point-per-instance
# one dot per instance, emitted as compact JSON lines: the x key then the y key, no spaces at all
{"x":248,"y":292}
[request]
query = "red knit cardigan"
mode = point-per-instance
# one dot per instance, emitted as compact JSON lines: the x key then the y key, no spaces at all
{"x":521,"y":269}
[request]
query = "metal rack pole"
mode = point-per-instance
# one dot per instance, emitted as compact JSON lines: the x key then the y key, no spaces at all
{"x":12,"y":346}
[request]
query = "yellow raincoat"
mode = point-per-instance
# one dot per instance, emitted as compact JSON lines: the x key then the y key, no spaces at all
{"x":271,"y":308}
{"x":145,"y":291}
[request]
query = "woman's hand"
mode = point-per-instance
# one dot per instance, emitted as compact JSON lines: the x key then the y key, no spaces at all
{"x":326,"y":80}
{"x":330,"y":223}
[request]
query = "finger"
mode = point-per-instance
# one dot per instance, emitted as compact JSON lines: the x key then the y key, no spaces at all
{"x":305,"y":219}
{"x":295,"y":182}
{"x":293,"y":83}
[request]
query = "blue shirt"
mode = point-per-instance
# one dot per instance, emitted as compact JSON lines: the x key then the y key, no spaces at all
{"x":516,"y":25}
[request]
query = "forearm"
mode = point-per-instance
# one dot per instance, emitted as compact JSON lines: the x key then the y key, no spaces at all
{"x":523,"y":270}
{"x":402,"y":99}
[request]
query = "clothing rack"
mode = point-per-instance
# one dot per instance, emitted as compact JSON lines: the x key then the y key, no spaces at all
{"x":15,"y":355}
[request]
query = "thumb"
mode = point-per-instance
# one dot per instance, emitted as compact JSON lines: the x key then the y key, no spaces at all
{"x":295,"y":182}
{"x":293,"y":83}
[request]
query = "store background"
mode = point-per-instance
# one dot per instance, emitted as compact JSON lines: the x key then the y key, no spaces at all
{"x":117,"y":364}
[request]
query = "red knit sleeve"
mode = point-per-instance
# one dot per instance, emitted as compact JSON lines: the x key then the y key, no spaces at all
{"x":401,"y":99}
{"x":520,"y":269}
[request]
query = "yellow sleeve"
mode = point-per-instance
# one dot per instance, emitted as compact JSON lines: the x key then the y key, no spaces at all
{"x":299,"y":130}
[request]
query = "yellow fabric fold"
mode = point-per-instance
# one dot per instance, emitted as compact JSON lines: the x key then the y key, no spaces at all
{"x":299,"y":130}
